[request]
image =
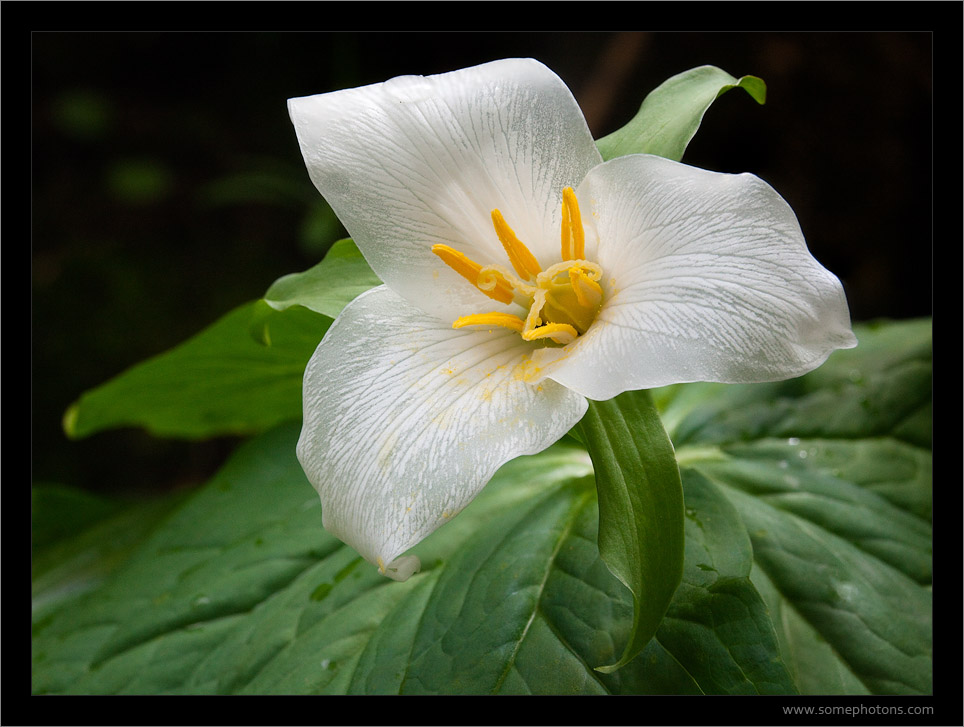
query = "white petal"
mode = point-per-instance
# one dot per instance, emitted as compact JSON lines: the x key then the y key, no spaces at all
{"x":417,"y":161}
{"x":405,"y":420}
{"x":707,"y":277}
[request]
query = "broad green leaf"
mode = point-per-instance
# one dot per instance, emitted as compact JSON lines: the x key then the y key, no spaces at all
{"x":245,"y":536}
{"x":718,"y":627}
{"x":529,"y":611}
{"x":640,"y":507}
{"x":806,"y":572}
{"x":808,"y":477}
{"x":329,"y":286}
{"x":481,"y":630}
{"x":239,"y":590}
{"x":58,"y":512}
{"x":881,"y":388}
{"x":815,"y":665}
{"x":671,"y":114}
{"x":877,"y":619}
{"x":241,"y":375}
{"x":832,"y":475}
{"x":80,"y":539}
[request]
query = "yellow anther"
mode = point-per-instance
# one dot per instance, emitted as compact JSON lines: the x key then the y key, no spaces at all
{"x":559,"y":332}
{"x":573,"y":235}
{"x":505,"y":320}
{"x":522,"y":260}
{"x":495,"y":286}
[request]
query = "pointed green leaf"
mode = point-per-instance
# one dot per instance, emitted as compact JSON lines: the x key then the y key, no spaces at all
{"x":241,"y":375}
{"x":671,"y":114}
{"x":640,"y":507}
{"x":327,"y":287}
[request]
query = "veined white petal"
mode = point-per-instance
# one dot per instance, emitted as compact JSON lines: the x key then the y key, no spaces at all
{"x":417,"y":161}
{"x":406,"y":419}
{"x":707,"y":277}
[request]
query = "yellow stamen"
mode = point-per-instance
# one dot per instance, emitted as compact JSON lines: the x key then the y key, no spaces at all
{"x":505,"y":320}
{"x":559,"y":332}
{"x":495,"y":286}
{"x":534,"y":317}
{"x":522,"y":260}
{"x":573,"y":236}
{"x":588,"y":291}
{"x":561,"y":302}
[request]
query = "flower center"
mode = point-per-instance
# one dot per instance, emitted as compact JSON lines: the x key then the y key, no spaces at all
{"x":562,"y":301}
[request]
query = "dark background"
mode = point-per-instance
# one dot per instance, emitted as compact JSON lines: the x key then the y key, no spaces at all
{"x":168,"y":188}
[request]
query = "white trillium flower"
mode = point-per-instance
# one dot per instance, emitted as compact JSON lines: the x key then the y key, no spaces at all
{"x":523,"y":275}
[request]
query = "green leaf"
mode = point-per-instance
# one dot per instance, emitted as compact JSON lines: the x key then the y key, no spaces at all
{"x":718,"y":626}
{"x":672,"y":113}
{"x":806,"y":572}
{"x":816,"y":666}
{"x":58,"y":512}
{"x":239,"y":590}
{"x":527,"y":606}
{"x":876,"y":619}
{"x":241,"y":375}
{"x":832,"y":474}
{"x":327,"y":287}
{"x":80,"y":539}
{"x":881,"y":388}
{"x":640,"y":507}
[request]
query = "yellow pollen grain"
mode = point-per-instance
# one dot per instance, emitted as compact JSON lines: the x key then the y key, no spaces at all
{"x":525,"y":370}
